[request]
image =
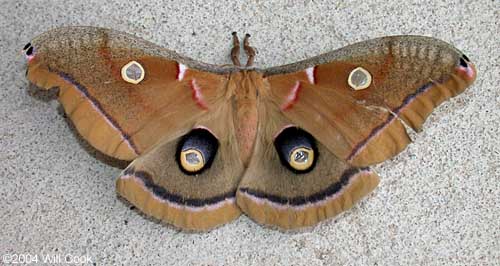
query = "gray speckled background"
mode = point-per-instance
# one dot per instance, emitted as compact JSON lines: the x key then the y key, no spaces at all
{"x":438,"y":202}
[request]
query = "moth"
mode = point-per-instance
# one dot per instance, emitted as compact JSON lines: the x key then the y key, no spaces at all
{"x":289,"y":146}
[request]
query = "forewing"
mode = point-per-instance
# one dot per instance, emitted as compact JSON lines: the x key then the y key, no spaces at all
{"x":411,"y":75}
{"x":119,"y":118}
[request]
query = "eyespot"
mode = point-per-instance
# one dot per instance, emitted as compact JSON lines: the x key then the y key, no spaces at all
{"x":466,"y":58}
{"x":359,"y":79}
{"x":196,"y":151}
{"x":133,"y":72}
{"x":301,"y":158}
{"x":296,"y":149}
{"x":192,"y":160}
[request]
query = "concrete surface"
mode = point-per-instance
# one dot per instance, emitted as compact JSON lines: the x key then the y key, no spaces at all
{"x":438,"y":202}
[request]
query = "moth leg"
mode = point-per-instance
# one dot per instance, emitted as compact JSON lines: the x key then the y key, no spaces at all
{"x":235,"y":52}
{"x":249,"y":50}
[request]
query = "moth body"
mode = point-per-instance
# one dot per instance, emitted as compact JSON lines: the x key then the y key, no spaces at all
{"x":244,"y":86}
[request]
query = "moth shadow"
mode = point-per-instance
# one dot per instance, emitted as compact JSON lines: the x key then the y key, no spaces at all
{"x":41,"y":94}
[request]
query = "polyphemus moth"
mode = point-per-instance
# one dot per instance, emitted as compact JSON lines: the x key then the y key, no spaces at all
{"x":289,"y":146}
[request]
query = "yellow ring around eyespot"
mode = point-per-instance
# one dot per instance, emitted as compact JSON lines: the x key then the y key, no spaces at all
{"x":302,"y":165}
{"x":129,"y":80}
{"x":368,"y":77}
{"x":189,"y":166}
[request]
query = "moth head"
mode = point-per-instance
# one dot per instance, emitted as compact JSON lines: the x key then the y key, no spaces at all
{"x":296,"y":149}
{"x":133,"y":72}
{"x":196,"y":151}
{"x":359,"y":79}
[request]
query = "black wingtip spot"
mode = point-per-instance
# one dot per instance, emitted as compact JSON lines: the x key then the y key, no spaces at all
{"x":28,"y":45}
{"x":463,"y":63}
{"x":466,"y":58}
{"x":29,"y":51}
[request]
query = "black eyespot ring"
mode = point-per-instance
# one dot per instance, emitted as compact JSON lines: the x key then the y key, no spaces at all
{"x":297,"y":150}
{"x":196,"y":151}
